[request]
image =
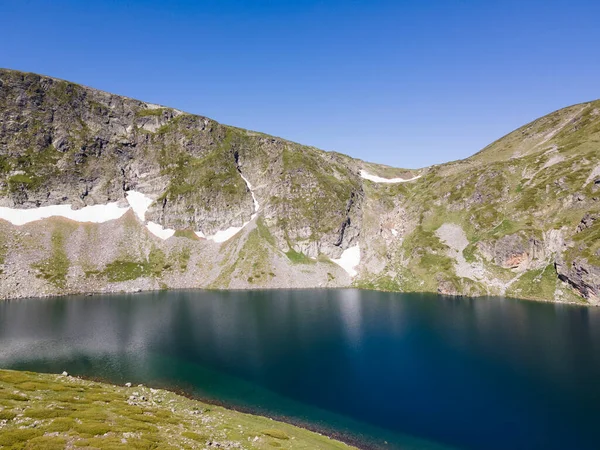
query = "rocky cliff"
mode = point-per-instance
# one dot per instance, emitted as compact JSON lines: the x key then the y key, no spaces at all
{"x":100,"y":192}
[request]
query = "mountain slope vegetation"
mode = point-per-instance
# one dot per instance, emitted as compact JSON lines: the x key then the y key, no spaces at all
{"x":519,"y":218}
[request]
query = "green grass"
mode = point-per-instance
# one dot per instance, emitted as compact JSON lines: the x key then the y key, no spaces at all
{"x":188,"y":234}
{"x":277,"y":434}
{"x":96,"y":415}
{"x":155,"y":265}
{"x":150,"y":112}
{"x":536,"y":284}
{"x":298,"y":258}
{"x":119,"y":270}
{"x":380,"y":283}
{"x":55,"y":268}
{"x":20,"y":178}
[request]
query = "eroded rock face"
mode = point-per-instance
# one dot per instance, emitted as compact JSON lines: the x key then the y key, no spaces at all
{"x":583,"y":277}
{"x":518,"y":218}
{"x":514,"y":251}
{"x":67,"y":144}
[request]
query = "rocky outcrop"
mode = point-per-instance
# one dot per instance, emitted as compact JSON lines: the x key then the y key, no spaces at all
{"x":583,"y":277}
{"x":513,"y":251}
{"x":518,"y":218}
{"x":587,"y":221}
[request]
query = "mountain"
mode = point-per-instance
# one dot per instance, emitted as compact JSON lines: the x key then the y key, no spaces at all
{"x":100,"y":192}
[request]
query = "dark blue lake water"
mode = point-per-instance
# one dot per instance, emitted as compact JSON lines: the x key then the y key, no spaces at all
{"x":417,"y":371}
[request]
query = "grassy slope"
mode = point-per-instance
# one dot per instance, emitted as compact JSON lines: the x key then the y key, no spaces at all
{"x":526,"y":183}
{"x":40,"y":411}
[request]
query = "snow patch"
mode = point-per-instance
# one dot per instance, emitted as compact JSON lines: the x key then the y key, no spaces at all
{"x":94,"y":214}
{"x":256,"y":205}
{"x":349,"y":259}
{"x":367,"y":176}
{"x":225,"y":235}
{"x":139,"y":203}
{"x":158,"y":230}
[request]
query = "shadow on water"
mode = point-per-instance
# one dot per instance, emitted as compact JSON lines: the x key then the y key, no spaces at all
{"x":417,"y":371}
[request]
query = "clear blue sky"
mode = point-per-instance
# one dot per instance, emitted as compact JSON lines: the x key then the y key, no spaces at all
{"x":405,"y":83}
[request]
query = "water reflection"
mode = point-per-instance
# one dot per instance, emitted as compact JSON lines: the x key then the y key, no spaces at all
{"x":474,"y":373}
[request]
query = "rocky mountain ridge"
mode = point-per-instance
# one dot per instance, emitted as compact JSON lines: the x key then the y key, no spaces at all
{"x":231,"y":208}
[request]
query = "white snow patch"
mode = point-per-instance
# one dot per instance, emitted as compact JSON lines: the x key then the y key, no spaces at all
{"x":349,"y":259}
{"x":367,"y":176}
{"x":158,"y":230}
{"x":95,"y":213}
{"x":256,"y":205}
{"x":139,"y":203}
{"x":224,"y":235}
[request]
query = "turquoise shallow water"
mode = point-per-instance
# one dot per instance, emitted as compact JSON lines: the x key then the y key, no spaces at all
{"x":382,"y":369}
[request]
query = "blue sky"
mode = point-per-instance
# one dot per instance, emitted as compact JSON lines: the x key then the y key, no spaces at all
{"x":405,"y":83}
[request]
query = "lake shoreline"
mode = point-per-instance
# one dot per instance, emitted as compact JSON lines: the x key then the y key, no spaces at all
{"x":275,"y":289}
{"x":138,"y":395}
{"x":308,"y":426}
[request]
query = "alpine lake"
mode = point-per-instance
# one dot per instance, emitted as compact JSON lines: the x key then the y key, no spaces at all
{"x":378,"y":370}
